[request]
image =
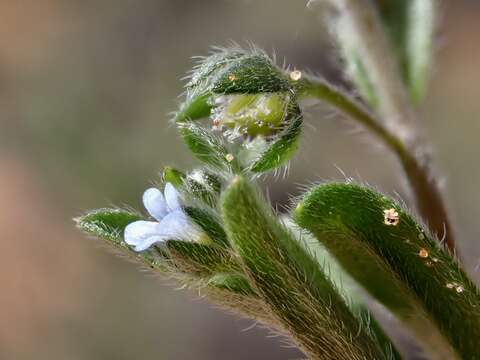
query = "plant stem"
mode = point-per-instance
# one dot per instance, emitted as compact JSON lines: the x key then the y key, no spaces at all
{"x":428,"y":196}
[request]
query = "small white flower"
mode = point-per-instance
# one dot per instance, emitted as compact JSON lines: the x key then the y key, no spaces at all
{"x":172,"y":222}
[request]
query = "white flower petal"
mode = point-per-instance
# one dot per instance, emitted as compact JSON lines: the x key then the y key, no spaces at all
{"x":155,"y":203}
{"x":172,"y":197}
{"x":137,"y":232}
{"x":149,"y":242}
{"x":176,"y":225}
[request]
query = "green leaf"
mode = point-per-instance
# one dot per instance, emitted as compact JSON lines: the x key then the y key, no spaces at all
{"x":205,"y":71}
{"x":359,"y":74}
{"x":193,"y":265}
{"x":109,"y":225}
{"x":173,"y":176}
{"x":206,"y":146}
{"x":234,"y":282}
{"x":420,"y":40}
{"x":398,"y":262}
{"x":209,"y":223}
{"x":197,"y":106}
{"x":251,"y":75}
{"x":192,"y":257}
{"x":344,"y":284}
{"x":290,"y":281}
{"x":354,"y":66}
{"x":410,"y":27}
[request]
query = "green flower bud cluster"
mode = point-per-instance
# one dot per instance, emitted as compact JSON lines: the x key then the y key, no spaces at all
{"x":245,"y":98}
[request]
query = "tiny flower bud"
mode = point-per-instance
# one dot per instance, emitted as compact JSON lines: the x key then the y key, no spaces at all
{"x":248,"y":98}
{"x":230,"y":71}
{"x":203,"y":186}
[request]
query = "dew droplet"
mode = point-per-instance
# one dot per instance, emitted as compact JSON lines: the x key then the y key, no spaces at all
{"x":229,"y":157}
{"x":434,"y":259}
{"x":421,"y":236}
{"x":423,"y":253}
{"x":459,"y":289}
{"x":428,"y":263}
{"x":295,"y":75}
{"x":391,"y":217}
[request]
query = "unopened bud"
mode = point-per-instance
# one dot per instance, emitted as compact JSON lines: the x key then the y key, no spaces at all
{"x":251,"y":115}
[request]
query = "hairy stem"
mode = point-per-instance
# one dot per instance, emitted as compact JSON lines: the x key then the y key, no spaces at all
{"x":426,"y":190}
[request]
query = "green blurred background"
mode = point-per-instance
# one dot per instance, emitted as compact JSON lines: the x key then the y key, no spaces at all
{"x":86,"y":88}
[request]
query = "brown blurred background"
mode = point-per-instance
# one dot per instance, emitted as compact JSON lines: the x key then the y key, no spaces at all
{"x":85,"y":92}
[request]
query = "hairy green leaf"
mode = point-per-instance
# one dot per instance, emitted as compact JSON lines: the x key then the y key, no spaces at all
{"x":209,"y":223}
{"x":395,"y":258}
{"x":206,"y":146}
{"x":194,"y":257}
{"x":409,"y":26}
{"x":173,"y":176}
{"x":291,"y":282}
{"x":251,"y":75}
{"x":235,"y":282}
{"x":109,"y":225}
{"x":195,"y":107}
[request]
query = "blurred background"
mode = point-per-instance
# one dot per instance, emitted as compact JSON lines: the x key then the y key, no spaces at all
{"x":86,"y":88}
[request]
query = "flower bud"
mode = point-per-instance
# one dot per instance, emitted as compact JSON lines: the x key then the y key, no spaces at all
{"x":251,"y":115}
{"x":247,"y":97}
{"x":232,"y":72}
